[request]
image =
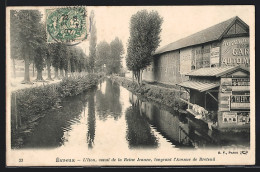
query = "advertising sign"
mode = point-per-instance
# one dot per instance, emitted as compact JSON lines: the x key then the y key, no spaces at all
{"x":198,"y":57}
{"x":239,"y":102}
{"x":206,"y":56}
{"x":214,"y":56}
{"x":243,"y":118}
{"x":229,"y":117}
{"x":185,"y":61}
{"x":235,"y":51}
{"x":240,"y":82}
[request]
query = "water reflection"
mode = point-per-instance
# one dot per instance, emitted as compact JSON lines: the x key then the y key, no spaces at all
{"x":139,"y":134}
{"x":108,"y":104}
{"x":91,"y":120}
{"x":49,"y":132}
{"x":185,"y":131}
{"x":110,"y":117}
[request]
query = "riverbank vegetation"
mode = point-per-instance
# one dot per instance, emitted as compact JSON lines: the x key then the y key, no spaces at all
{"x":30,"y":104}
{"x":163,"y":95}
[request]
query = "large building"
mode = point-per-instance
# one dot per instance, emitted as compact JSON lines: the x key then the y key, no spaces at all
{"x":224,"y":44}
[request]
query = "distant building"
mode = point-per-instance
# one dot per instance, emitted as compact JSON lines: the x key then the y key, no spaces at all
{"x":224,"y":44}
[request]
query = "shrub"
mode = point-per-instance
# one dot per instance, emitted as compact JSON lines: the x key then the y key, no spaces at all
{"x":32,"y":101}
{"x":164,"y":95}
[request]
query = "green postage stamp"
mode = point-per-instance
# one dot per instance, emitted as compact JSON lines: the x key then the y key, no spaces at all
{"x":66,"y":25}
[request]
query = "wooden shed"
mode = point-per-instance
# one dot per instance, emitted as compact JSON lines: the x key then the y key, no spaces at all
{"x":220,"y":95}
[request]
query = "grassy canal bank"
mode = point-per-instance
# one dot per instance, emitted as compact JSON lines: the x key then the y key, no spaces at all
{"x":30,"y":104}
{"x":164,"y":95}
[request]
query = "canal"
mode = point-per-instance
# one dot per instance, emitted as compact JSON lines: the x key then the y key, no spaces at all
{"x":110,"y":116}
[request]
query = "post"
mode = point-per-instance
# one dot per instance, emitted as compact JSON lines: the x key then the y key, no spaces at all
{"x":205,"y":100}
{"x":15,"y":112}
{"x":179,"y":134}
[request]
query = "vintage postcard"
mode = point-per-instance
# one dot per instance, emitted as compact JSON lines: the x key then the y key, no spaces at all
{"x":130,"y":85}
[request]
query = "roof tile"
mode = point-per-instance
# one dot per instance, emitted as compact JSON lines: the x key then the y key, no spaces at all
{"x":216,"y":71}
{"x":207,"y":35}
{"x":200,"y":86}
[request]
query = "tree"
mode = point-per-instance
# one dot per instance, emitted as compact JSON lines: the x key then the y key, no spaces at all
{"x":66,"y":61}
{"x":144,"y":38}
{"x":56,"y":58}
{"x":28,"y":37}
{"x":72,"y":60}
{"x":117,"y":50}
{"x":103,"y":55}
{"x":93,"y":42}
{"x":63,"y":59}
{"x":15,"y":51}
{"x":39,"y":62}
{"x":41,"y":52}
{"x":49,"y":58}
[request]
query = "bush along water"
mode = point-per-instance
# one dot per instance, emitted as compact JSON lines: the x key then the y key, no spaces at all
{"x":30,"y":104}
{"x":162,"y":95}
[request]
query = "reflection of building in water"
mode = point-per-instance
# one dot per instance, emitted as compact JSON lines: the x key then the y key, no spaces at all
{"x":108,"y":103}
{"x":179,"y":130}
{"x":174,"y":127}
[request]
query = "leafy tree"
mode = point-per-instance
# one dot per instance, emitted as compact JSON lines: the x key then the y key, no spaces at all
{"x":86,"y":66}
{"x":56,"y":58}
{"x":63,"y":59}
{"x":41,"y":53}
{"x":14,"y":38}
{"x":49,"y":59}
{"x":117,"y":50}
{"x":66,"y":61}
{"x":28,"y":37}
{"x":93,"y":42}
{"x":83,"y":60}
{"x":144,"y":38}
{"x":39,"y":62}
{"x":72,"y":60}
{"x":103,"y":55}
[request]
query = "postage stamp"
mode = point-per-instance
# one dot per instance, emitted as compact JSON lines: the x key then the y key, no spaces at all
{"x":67,"y":25}
{"x":130,"y":85}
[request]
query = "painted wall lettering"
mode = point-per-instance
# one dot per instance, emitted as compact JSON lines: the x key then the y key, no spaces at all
{"x":235,"y":51}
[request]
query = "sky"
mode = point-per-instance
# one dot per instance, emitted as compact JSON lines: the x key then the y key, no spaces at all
{"x":178,"y":21}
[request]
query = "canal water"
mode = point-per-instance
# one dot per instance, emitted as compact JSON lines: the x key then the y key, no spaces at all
{"x":110,"y":116}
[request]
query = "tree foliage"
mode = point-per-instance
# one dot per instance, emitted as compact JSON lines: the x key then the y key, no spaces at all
{"x":145,"y":28}
{"x":117,"y":50}
{"x":29,"y":36}
{"x":41,"y":53}
{"x":28,"y":42}
{"x":14,"y":35}
{"x":93,"y":42}
{"x":103,"y":55}
{"x":110,"y":55}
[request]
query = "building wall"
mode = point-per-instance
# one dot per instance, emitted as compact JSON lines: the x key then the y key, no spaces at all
{"x":171,"y":67}
{"x":165,"y":68}
{"x":148,"y":73}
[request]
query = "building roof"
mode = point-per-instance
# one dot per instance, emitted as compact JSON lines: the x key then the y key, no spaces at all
{"x":212,"y":33}
{"x":200,"y":86}
{"x":216,"y":71}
